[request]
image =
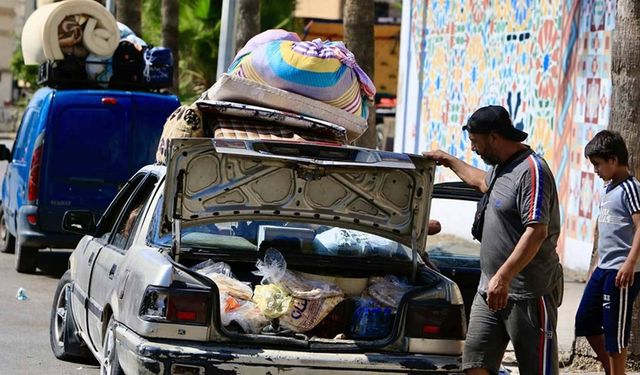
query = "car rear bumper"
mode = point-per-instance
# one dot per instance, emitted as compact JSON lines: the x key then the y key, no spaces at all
{"x":138,"y":355}
{"x":31,"y":235}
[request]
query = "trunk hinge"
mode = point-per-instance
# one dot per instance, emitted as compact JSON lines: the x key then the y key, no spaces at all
{"x":414,"y":255}
{"x":177,"y":215}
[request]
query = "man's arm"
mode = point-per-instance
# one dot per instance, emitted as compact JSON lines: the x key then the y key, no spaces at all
{"x":472,"y":176}
{"x":525,"y":250}
{"x":624,"y":278}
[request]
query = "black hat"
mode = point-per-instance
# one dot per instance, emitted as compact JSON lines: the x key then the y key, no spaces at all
{"x":494,"y":118}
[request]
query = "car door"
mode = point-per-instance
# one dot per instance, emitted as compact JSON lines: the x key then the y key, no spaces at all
{"x":86,"y":253}
{"x":108,"y":272}
{"x":453,"y":250}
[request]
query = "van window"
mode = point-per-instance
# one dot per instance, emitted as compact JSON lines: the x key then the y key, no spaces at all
{"x":26,"y":132}
{"x":90,"y":143}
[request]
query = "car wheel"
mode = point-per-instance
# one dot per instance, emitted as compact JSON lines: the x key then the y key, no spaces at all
{"x":26,"y":258}
{"x":61,"y":317}
{"x":7,"y":241}
{"x":109,"y":365}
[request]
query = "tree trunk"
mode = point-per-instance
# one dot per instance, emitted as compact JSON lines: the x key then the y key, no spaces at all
{"x":248,"y":21}
{"x":171,"y":36}
{"x":358,"y":20}
{"x":625,"y":106}
{"x":129,"y":13}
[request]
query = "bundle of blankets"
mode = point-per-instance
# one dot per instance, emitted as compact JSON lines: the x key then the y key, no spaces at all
{"x":275,"y":69}
{"x":81,"y":32}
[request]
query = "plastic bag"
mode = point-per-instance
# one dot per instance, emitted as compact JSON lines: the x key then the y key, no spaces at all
{"x":273,"y":267}
{"x":272,"y":300}
{"x":226,"y":282}
{"x":245,"y":313}
{"x":370,"y":321}
{"x":387,"y":291}
{"x":209,"y":266}
{"x":300,"y":287}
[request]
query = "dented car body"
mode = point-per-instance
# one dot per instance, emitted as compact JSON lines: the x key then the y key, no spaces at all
{"x":134,"y":299}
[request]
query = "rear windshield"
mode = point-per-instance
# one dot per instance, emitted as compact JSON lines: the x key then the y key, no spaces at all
{"x":286,"y":236}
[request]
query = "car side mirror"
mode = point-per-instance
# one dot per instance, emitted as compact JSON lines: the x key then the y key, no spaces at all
{"x":81,"y":222}
{"x":5,"y":153}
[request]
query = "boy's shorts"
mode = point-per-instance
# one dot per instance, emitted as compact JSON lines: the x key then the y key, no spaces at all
{"x":606,"y":309}
{"x":530,"y":324}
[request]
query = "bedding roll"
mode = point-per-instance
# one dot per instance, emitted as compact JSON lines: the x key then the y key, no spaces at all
{"x":40,"y":40}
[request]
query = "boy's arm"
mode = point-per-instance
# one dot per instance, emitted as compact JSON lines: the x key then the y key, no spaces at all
{"x":624,"y":278}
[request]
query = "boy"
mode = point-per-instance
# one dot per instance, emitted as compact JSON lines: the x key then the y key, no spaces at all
{"x":604,"y":315}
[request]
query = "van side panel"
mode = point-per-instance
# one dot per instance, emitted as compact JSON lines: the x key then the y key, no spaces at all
{"x":14,"y":187}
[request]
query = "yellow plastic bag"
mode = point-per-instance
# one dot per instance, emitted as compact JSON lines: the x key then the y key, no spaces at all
{"x":272,"y":300}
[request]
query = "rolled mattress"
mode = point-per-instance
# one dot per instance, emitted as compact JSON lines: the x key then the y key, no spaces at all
{"x":40,"y":33}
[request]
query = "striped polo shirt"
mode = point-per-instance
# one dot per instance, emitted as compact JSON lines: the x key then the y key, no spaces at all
{"x":615,"y":225}
{"x":524,"y":193}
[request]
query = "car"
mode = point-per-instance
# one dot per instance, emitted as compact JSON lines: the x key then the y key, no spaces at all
{"x":74,"y":149}
{"x":267,"y":215}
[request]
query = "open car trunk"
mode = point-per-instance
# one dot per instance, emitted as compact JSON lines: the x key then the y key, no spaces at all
{"x":330,"y":302}
{"x":336,"y":234}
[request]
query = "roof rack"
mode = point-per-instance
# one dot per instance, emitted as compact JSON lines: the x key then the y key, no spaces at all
{"x":71,"y":73}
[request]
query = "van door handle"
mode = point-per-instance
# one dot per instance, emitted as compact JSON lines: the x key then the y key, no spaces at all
{"x":91,"y":258}
{"x":112,"y":272}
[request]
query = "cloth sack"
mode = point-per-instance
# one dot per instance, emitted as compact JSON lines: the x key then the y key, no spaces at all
{"x":185,"y":121}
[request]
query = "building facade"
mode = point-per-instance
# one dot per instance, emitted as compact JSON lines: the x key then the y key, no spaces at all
{"x":547,"y":62}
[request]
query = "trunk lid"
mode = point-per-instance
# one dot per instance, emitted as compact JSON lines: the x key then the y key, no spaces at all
{"x":372,"y":191}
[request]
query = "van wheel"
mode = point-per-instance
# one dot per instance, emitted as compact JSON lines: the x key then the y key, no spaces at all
{"x":26,"y":258}
{"x":109,"y":365}
{"x":7,"y":240}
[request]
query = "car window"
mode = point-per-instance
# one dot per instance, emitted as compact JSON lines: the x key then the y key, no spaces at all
{"x":454,"y":240}
{"x":130,"y":218}
{"x":108,"y":220}
{"x":286,"y":236}
{"x":26,"y":131}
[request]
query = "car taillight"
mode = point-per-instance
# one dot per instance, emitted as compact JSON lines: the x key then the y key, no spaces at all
{"x":438,"y":319}
{"x":34,"y":170}
{"x":176,"y":305}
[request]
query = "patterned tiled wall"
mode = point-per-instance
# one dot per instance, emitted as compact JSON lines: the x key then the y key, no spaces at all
{"x":546,"y":61}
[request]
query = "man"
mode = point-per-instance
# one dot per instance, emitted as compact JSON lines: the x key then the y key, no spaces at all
{"x":521,"y":280}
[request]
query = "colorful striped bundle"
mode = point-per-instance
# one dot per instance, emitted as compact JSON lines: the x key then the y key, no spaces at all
{"x":321,"y":70}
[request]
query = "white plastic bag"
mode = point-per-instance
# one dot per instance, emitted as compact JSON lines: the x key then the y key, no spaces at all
{"x":226,"y":282}
{"x":387,"y":291}
{"x":245,"y":313}
{"x":272,"y":268}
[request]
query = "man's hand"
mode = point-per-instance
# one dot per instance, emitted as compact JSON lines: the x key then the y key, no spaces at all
{"x":474,"y":177}
{"x":440,"y":157}
{"x":624,"y":278}
{"x":498,"y":292}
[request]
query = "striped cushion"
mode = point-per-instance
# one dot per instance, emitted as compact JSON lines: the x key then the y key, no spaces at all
{"x":324,"y":71}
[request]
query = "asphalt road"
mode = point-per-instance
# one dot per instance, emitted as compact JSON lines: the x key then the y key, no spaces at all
{"x":24,"y":325}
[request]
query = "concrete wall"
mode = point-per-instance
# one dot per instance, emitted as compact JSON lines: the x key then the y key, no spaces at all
{"x":548,"y":62}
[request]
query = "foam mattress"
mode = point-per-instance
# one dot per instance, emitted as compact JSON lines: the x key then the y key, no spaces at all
{"x":40,"y":33}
